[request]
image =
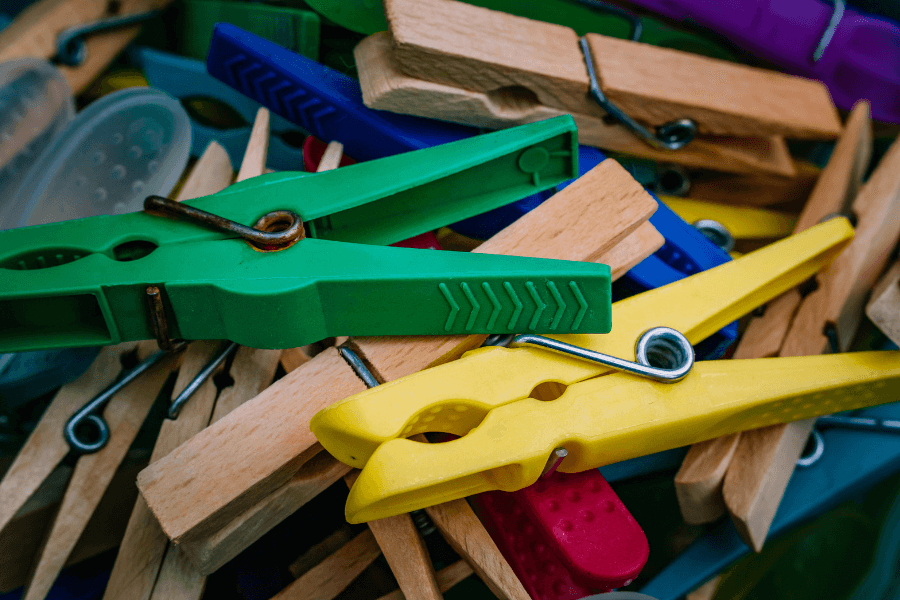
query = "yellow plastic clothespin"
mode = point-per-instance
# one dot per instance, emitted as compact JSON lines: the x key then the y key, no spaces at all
{"x":487,"y":396}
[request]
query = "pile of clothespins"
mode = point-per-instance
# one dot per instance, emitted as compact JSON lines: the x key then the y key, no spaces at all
{"x":552,"y":300}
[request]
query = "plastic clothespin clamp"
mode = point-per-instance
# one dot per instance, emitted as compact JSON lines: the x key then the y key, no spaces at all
{"x":187,"y":79}
{"x":488,"y":396}
{"x":272,"y":266}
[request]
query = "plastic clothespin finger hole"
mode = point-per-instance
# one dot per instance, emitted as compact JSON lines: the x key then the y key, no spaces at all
{"x":664,"y":348}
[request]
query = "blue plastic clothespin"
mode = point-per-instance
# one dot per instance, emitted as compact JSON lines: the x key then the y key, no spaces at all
{"x":185,"y":78}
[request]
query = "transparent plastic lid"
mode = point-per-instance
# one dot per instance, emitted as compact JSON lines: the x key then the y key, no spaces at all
{"x":35,"y":106}
{"x":120,"y":149}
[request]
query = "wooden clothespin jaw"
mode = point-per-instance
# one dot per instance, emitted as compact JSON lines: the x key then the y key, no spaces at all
{"x":497,"y":69}
{"x":316,"y":284}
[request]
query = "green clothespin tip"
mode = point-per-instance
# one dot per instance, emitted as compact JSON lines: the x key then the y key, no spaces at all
{"x":108,"y":279}
{"x":295,"y":29}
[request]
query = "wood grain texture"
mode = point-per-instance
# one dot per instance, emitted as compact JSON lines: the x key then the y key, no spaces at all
{"x":386,"y":87}
{"x":656,"y":85}
{"x":254,"y":161}
{"x":763,"y":463}
{"x":638,"y":245}
{"x":759,"y":474}
{"x":582,"y":222}
{"x":46,"y":447}
{"x":178,"y":579}
{"x":760,"y":189}
{"x":200,"y":487}
{"x":330,"y":577}
{"x":884,"y":307}
{"x":212,"y":172}
{"x":446,"y":579}
{"x":319,"y":552}
{"x":331,"y":159}
{"x":291,"y":358}
{"x":405,"y":552}
{"x":144,"y":545}
{"x":468,"y":537}
{"x":315,"y":476}
{"x":767,"y":335}
{"x":482,"y":50}
{"x":252,"y":371}
{"x":93,"y":472}
{"x":698,"y":483}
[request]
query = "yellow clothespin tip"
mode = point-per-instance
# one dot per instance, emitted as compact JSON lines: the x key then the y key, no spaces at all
{"x":617,"y":417}
{"x":457,"y":396}
{"x":741,"y":222}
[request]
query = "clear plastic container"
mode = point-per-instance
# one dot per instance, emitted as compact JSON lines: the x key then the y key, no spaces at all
{"x":116,"y":152}
{"x":35,"y":106}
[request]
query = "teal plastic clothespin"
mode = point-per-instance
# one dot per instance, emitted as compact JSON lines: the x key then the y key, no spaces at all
{"x":108,"y":279}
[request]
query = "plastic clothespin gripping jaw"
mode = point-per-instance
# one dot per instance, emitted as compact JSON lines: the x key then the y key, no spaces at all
{"x":84,"y":282}
{"x":457,"y":396}
{"x":617,"y":417}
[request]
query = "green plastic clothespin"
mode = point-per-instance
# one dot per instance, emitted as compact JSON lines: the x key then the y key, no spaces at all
{"x":107,"y":279}
{"x":295,"y":29}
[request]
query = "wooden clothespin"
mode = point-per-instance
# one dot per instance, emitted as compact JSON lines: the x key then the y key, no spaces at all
{"x":35,"y":32}
{"x":759,"y":189}
{"x":601,"y":211}
{"x":884,"y":307}
{"x":463,"y":63}
{"x":825,"y":320}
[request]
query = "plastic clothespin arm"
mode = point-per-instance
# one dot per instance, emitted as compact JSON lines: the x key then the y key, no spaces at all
{"x":323,"y":101}
{"x":613,"y":418}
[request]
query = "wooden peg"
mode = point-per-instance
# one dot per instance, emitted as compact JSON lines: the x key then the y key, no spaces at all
{"x":707,"y":591}
{"x":330,"y":577}
{"x":334,"y":151}
{"x":292,"y":358}
{"x":386,"y":87}
{"x":482,"y":50}
{"x":320,"y":551}
{"x":315,"y":476}
{"x":700,"y":481}
{"x":446,"y":579}
{"x":254,"y":162}
{"x":405,"y":552}
{"x":638,"y":245}
{"x":273,"y":427}
{"x":758,"y":189}
{"x":46,"y":447}
{"x":213,"y":172}
{"x":764,"y":461}
{"x":93,"y":472}
{"x":884,"y":308}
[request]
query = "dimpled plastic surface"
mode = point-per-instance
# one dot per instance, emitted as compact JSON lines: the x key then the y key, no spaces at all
{"x":594,"y":535}
{"x":119,"y":150}
{"x":35,"y":106}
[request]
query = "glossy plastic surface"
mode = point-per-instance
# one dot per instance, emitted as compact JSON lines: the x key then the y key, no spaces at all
{"x":566,"y":536}
{"x":116,"y":152}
